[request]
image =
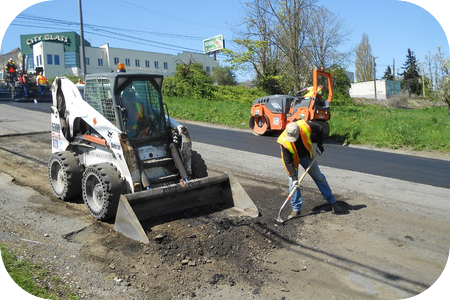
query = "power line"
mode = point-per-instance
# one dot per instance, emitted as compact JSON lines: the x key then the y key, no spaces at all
{"x":72,"y":23}
{"x":110,"y":30}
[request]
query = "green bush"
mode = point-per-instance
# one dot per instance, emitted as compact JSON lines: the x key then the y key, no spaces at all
{"x":189,"y":80}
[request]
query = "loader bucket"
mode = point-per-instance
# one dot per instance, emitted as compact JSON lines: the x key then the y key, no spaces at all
{"x":223,"y":190}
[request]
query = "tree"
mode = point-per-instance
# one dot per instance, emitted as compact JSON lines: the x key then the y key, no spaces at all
{"x":224,"y":76}
{"x":290,"y":35}
{"x":283,"y":40}
{"x":341,"y":87}
{"x":325,"y":34}
{"x":411,"y":77}
{"x":444,"y":91}
{"x":436,"y":66}
{"x":256,"y":56}
{"x":388,"y":74}
{"x":364,"y":60}
{"x":257,"y":50}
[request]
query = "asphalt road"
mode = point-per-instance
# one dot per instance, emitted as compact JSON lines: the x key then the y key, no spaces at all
{"x":411,"y":168}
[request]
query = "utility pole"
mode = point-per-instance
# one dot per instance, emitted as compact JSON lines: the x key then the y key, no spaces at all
{"x":375,"y":77}
{"x":393,"y":74}
{"x":83,"y":55}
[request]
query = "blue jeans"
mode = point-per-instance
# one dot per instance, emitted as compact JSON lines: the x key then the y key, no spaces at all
{"x":41,"y":90}
{"x":319,"y":179}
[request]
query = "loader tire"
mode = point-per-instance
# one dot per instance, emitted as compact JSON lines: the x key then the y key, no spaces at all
{"x":102,"y":186}
{"x":198,"y":165}
{"x":65,"y":172}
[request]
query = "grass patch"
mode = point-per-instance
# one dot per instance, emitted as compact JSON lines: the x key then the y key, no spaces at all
{"x":27,"y":275}
{"x":233,"y":114}
{"x":418,"y":129}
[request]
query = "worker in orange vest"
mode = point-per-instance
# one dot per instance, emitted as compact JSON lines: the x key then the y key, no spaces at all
{"x":42,"y":84}
{"x":11,"y":70}
{"x":23,"y":80}
{"x":135,"y":113}
{"x":297,"y":150}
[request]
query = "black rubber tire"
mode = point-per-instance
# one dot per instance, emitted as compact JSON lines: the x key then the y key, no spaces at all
{"x":198,"y":165}
{"x":65,"y":172}
{"x":102,"y":186}
{"x":325,"y":129}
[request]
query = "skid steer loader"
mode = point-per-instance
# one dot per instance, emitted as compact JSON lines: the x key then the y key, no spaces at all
{"x":114,"y":144}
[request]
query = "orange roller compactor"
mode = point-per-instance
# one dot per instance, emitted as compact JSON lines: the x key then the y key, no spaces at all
{"x":272,"y":113}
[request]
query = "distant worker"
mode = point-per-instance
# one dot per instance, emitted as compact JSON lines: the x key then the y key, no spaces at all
{"x":297,"y":149}
{"x":11,"y":70}
{"x":23,"y":80}
{"x":310,"y":91}
{"x":42,"y":84}
{"x":79,"y":82}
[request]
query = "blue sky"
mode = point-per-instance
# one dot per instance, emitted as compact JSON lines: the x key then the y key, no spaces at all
{"x":172,"y":26}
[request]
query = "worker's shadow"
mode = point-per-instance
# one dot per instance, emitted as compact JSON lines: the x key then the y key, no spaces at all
{"x":346,"y":208}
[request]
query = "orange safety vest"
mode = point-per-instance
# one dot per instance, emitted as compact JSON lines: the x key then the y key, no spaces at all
{"x":310,"y":92}
{"x":305,"y":134}
{"x":41,"y":80}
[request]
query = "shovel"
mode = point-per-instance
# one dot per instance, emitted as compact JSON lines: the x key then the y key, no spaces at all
{"x":279,"y":219}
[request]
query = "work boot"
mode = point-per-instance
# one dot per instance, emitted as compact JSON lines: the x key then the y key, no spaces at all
{"x":336,"y":208}
{"x":294,"y":214}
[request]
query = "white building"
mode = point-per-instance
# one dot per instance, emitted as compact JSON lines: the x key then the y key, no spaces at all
{"x":59,"y":54}
{"x":385,"y":89}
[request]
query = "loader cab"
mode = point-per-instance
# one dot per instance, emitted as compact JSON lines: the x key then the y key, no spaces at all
{"x":141,"y":107}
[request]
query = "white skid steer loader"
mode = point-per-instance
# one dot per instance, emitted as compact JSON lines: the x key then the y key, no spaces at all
{"x":114,"y":144}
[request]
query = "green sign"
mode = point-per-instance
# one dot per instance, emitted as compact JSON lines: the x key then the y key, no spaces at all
{"x":213,"y":44}
{"x":69,"y":39}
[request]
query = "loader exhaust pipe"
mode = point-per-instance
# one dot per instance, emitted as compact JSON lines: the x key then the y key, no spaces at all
{"x":222,"y":190}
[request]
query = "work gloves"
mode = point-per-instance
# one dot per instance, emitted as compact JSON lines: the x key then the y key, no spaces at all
{"x":320,"y":149}
{"x":294,"y":180}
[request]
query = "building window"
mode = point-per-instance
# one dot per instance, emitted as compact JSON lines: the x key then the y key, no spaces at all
{"x":29,"y":62}
{"x":116,"y":60}
{"x":87,"y":60}
{"x":137,"y":62}
{"x":147,"y":64}
{"x":56,"y":60}
{"x":156,"y":65}
{"x":49,"y":59}
{"x":39,"y":60}
{"x":208,"y":70}
{"x":166,"y":65}
{"x":70,"y":59}
{"x":100,"y":62}
{"x":127,"y":62}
